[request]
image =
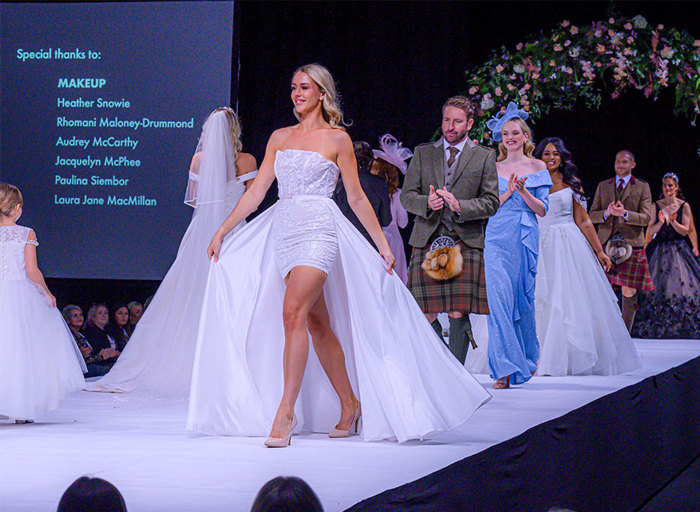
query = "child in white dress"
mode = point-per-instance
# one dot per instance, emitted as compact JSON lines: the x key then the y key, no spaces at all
{"x":40,"y":362}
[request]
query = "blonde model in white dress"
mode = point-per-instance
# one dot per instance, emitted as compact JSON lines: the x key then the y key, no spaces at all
{"x":371,"y":340}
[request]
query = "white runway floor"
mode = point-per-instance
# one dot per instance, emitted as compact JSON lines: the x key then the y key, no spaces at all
{"x":143,"y":448}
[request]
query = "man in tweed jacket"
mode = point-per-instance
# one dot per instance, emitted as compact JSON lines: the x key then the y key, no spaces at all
{"x":451,"y":186}
{"x":622,"y":206}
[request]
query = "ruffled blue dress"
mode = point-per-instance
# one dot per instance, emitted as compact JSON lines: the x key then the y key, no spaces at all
{"x":510,"y":257}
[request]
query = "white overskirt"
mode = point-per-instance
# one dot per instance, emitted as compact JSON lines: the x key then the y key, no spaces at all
{"x":409,"y":384}
{"x":157,"y":361}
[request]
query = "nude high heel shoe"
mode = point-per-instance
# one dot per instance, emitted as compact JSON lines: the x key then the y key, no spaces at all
{"x":282,"y":442}
{"x":337,"y":433}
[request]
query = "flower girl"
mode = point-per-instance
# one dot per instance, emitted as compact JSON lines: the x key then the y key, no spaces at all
{"x":40,"y":362}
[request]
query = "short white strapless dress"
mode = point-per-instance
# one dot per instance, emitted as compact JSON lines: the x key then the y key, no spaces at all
{"x":409,"y":384}
{"x":303,"y":229}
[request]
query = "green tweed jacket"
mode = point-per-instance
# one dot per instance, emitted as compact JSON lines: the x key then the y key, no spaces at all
{"x":474,"y":184}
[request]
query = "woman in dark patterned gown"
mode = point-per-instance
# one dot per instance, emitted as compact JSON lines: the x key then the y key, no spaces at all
{"x":672,"y":309}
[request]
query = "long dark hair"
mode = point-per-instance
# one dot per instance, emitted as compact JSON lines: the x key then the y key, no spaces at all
{"x":91,"y":495}
{"x":286,"y":494}
{"x":567,"y":167}
{"x":389,"y":172}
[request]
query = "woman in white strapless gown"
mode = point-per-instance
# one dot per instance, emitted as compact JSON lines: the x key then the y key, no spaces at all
{"x":579,"y":323}
{"x":158,"y":359}
{"x":301,"y":265}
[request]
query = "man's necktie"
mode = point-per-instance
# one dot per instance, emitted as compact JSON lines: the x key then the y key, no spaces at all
{"x":620,"y":186}
{"x":453,"y":155}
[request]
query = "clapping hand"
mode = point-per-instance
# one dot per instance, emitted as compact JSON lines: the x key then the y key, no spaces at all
{"x":450,"y":199}
{"x":435,"y":202}
{"x":512,"y":183}
{"x":617,"y":209}
{"x":662,"y":216}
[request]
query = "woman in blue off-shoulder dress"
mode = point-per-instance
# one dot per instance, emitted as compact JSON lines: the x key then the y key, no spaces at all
{"x":510,"y":253}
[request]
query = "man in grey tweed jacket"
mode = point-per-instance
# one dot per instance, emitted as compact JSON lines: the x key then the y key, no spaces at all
{"x":451,"y":186}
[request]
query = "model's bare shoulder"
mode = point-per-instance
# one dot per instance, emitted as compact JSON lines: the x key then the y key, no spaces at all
{"x":339,"y":136}
{"x":246,"y":162}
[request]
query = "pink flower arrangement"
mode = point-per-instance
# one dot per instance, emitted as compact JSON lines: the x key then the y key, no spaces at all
{"x":667,"y":52}
{"x":564,"y":68}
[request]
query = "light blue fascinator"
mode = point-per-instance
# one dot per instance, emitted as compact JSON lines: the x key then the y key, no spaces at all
{"x":495,"y":124}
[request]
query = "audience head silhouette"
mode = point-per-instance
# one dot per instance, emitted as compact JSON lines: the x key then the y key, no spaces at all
{"x":91,"y":495}
{"x":286,"y":494}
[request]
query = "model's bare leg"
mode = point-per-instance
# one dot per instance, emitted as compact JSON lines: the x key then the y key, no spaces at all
{"x":332,"y":358}
{"x":304,"y":285}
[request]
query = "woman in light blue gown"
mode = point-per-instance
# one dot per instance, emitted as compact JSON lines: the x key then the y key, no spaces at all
{"x":510,"y":254}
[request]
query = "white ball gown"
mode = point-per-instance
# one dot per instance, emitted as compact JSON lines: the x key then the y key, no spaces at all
{"x":40,"y":361}
{"x":157,"y":361}
{"x":409,"y":384}
{"x":579,"y":324}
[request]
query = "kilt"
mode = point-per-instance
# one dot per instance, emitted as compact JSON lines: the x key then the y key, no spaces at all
{"x":633,"y":272}
{"x":465,"y":293}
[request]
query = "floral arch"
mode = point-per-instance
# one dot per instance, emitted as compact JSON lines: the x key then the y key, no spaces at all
{"x":581,"y":63}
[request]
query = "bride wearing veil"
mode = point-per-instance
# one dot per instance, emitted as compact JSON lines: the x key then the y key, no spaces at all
{"x":159,"y":357}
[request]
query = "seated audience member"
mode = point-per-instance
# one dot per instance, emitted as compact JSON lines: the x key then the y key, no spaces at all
{"x":375,"y":189}
{"x":117,"y":328}
{"x":97,"y":336}
{"x":93,"y":360}
{"x":135,"y":313}
{"x":286,"y":494}
{"x":91,"y":495}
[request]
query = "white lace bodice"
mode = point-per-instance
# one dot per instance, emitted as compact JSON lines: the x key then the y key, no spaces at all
{"x":304,"y":173}
{"x":12,"y":242}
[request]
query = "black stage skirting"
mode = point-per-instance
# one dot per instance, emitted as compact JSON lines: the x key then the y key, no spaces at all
{"x":613,"y":454}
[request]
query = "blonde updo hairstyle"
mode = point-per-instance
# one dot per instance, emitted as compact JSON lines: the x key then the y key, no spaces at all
{"x":528,"y":147}
{"x":235,"y":126}
{"x":331,"y":99}
{"x":10,"y":197}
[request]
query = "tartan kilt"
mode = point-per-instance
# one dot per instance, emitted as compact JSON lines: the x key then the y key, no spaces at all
{"x":465,"y":293}
{"x":633,"y":272}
